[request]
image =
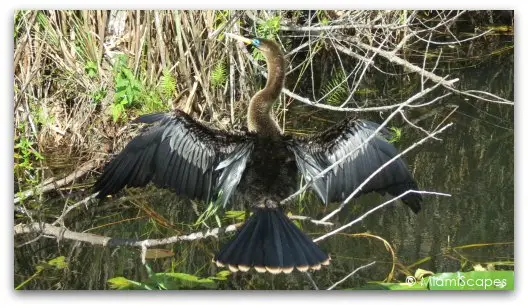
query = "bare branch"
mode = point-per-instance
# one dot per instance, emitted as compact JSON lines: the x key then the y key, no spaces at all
{"x":67,"y":209}
{"x":94,"y":239}
{"x":311,"y":280}
{"x":316,"y":222}
{"x":360,"y":218}
{"x":358,"y":189}
{"x":392,"y":57}
{"x":79,"y":172}
{"x":351,"y":274}
{"x":322,"y":173}
{"x":498,"y":100}
{"x":416,"y":126}
{"x":455,"y":42}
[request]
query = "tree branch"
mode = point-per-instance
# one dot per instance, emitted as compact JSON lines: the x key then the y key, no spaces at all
{"x":360,"y":218}
{"x":79,"y":172}
{"x":342,"y":159}
{"x":351,"y":274}
{"x":358,"y":189}
{"x":94,"y":239}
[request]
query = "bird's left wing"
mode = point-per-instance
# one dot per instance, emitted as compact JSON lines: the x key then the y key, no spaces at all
{"x":315,"y":153}
{"x":178,"y":153}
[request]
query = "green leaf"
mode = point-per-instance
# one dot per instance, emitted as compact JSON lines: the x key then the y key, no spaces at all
{"x":121,"y":283}
{"x":91,"y":68}
{"x":222,"y":275}
{"x":421,"y":273}
{"x":149,"y":270}
{"x":122,"y":84}
{"x":269,"y":28}
{"x":117,"y":109}
{"x":183,"y":281}
{"x":399,"y":286}
{"x":58,"y":262}
{"x":457,"y":281}
{"x":237,"y":215}
{"x":397,"y":134}
{"x":128,"y":74}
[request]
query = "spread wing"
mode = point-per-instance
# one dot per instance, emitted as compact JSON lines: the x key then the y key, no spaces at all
{"x":178,"y":153}
{"x":317,"y":152}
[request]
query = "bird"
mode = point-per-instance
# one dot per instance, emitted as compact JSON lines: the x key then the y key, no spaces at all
{"x":262,"y":165}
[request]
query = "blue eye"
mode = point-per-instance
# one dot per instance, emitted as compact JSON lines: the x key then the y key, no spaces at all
{"x":255,"y":42}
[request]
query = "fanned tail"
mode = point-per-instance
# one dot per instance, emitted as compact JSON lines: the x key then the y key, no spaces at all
{"x":269,"y":241}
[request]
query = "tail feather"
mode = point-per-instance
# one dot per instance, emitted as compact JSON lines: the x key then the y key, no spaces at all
{"x":313,"y":257}
{"x":270,"y":242}
{"x":296,"y":248}
{"x":244,"y":250}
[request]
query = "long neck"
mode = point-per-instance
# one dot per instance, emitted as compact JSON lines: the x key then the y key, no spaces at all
{"x":260,"y":118}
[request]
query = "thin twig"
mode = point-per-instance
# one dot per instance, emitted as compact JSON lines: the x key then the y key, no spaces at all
{"x":414,"y":68}
{"x":416,"y":126}
{"x":469,"y":93}
{"x":81,"y":171}
{"x":311,"y":280}
{"x":310,"y":219}
{"x":351,"y":274}
{"x":68,"y":209}
{"x":374,"y":134}
{"x":360,"y":218}
{"x":372,"y":175}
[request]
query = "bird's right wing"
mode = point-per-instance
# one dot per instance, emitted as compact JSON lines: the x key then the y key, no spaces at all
{"x":178,"y":153}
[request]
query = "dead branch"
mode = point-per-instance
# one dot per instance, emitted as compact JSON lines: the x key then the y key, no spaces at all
{"x":322,"y":173}
{"x":351,"y":274}
{"x":358,"y":189}
{"x":40,"y":189}
{"x":360,"y":218}
{"x":392,"y":57}
{"x":315,"y":222}
{"x":86,"y":201}
{"x":94,"y":239}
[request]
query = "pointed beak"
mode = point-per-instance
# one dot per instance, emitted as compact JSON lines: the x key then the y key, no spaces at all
{"x":239,"y":38}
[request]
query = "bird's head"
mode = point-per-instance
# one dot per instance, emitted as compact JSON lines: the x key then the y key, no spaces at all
{"x":267,"y":47}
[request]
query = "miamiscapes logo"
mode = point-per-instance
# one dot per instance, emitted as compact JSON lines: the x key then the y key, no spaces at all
{"x":498,"y":280}
{"x":461,"y":281}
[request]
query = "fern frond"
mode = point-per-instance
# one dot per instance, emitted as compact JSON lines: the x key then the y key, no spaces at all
{"x":219,"y":74}
{"x":167,"y":84}
{"x":336,"y":89}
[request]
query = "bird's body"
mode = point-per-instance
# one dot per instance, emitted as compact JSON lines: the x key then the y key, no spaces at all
{"x":271,"y":172}
{"x":262,"y":165}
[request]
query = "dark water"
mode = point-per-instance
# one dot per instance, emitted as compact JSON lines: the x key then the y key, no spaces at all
{"x":474,"y":162}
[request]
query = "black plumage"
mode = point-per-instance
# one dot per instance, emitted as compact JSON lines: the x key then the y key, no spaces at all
{"x":270,"y":241}
{"x":262,"y":165}
{"x":180,"y":154}
{"x":315,"y":153}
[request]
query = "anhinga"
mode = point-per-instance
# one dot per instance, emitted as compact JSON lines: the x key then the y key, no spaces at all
{"x":262,"y":165}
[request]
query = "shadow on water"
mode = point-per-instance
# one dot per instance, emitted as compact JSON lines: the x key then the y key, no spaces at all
{"x":473,"y":162}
